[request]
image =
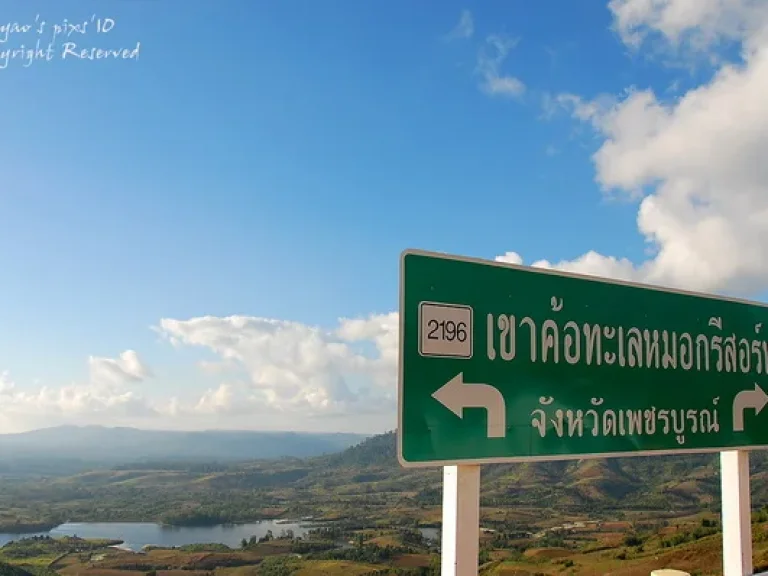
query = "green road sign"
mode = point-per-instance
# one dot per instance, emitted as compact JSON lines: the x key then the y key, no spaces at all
{"x":502,"y":363}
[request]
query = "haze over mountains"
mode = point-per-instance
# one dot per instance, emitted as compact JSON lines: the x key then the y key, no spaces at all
{"x":655,"y":482}
{"x":99,"y":444}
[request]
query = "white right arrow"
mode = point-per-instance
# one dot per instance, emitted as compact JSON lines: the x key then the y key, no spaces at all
{"x":457,"y":395}
{"x":756,"y":399}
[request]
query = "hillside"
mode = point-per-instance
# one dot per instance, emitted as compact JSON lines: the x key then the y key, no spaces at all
{"x":364,"y":480}
{"x":657,"y":482}
{"x":10,"y":570}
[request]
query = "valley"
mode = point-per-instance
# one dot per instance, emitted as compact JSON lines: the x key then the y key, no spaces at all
{"x":371,"y":516}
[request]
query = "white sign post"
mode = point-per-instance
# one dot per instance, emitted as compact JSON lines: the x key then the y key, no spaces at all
{"x":736,"y":513}
{"x":461,"y":517}
{"x":460,"y":545}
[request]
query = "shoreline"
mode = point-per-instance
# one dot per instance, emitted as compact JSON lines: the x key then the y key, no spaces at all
{"x":27,"y":528}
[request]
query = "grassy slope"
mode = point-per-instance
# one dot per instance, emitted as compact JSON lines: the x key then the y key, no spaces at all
{"x":365,"y":478}
{"x":366,"y":483}
{"x":11,"y":570}
{"x":585,"y":554}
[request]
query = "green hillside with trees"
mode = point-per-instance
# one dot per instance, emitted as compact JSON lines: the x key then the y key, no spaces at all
{"x":589,"y":517}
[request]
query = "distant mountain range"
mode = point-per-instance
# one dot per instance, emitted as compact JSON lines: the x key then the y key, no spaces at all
{"x":90,"y":445}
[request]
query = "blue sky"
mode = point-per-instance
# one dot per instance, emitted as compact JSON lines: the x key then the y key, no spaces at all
{"x":272,"y":159}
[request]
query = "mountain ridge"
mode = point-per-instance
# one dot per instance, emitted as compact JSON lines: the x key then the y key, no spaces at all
{"x":653,"y":482}
{"x":351,"y":463}
{"x":92,"y":446}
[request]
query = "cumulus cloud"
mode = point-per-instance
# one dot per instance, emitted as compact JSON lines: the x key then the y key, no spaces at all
{"x":697,"y":25}
{"x":489,"y":62}
{"x":106,"y":394}
{"x":126,"y":368}
{"x":382,"y":329}
{"x":266,"y":374}
{"x":222,"y":400}
{"x":510,"y":258}
{"x":293,"y":367}
{"x":695,"y":165}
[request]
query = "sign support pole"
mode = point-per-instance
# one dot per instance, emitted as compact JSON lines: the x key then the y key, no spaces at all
{"x":460,"y":544}
{"x":736,"y":513}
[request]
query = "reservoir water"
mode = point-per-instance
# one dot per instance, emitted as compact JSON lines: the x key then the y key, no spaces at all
{"x":135,"y":535}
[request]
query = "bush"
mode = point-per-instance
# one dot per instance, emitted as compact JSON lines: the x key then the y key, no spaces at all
{"x":277,"y":566}
{"x":632,"y":540}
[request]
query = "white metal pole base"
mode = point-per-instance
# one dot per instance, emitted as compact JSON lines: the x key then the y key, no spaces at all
{"x":736,"y":513}
{"x":460,"y":545}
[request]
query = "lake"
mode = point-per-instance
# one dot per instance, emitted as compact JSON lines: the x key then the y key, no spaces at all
{"x":136,"y":535}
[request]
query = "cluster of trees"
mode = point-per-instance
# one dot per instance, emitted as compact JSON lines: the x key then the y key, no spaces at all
{"x":432,"y":570}
{"x":706,"y":528}
{"x":370,"y":553}
{"x":225,"y":508}
{"x":10,"y":570}
{"x":380,"y":450}
{"x":253,"y":540}
{"x":278,"y":566}
{"x":249,"y":479}
{"x":411,"y":537}
{"x":18,"y":526}
{"x":45,"y":546}
{"x":210,"y":547}
{"x":180,"y":466}
{"x":311,"y":546}
{"x":286,"y":566}
{"x":761,"y":515}
{"x":197,"y":517}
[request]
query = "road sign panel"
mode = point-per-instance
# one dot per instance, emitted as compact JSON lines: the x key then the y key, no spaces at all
{"x":508,"y":363}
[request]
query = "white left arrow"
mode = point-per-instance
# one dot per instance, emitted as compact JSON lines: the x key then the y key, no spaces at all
{"x":755,"y":399}
{"x":457,"y":395}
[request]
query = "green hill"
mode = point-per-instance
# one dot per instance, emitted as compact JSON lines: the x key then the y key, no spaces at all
{"x":380,"y":450}
{"x":9,"y":570}
{"x":364,"y":479}
{"x":644,"y":482}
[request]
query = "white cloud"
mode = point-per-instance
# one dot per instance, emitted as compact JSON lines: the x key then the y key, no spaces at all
{"x":590,"y":263}
{"x":696,"y":165}
{"x":106,"y":395}
{"x":126,"y":368}
{"x":222,"y":400}
{"x":6,"y":384}
{"x":465,"y":28}
{"x":510,"y":258}
{"x":697,"y":25}
{"x":489,"y":62}
{"x":268,"y":374}
{"x":590,"y":111}
{"x":382,"y":329}
{"x":295,"y":368}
